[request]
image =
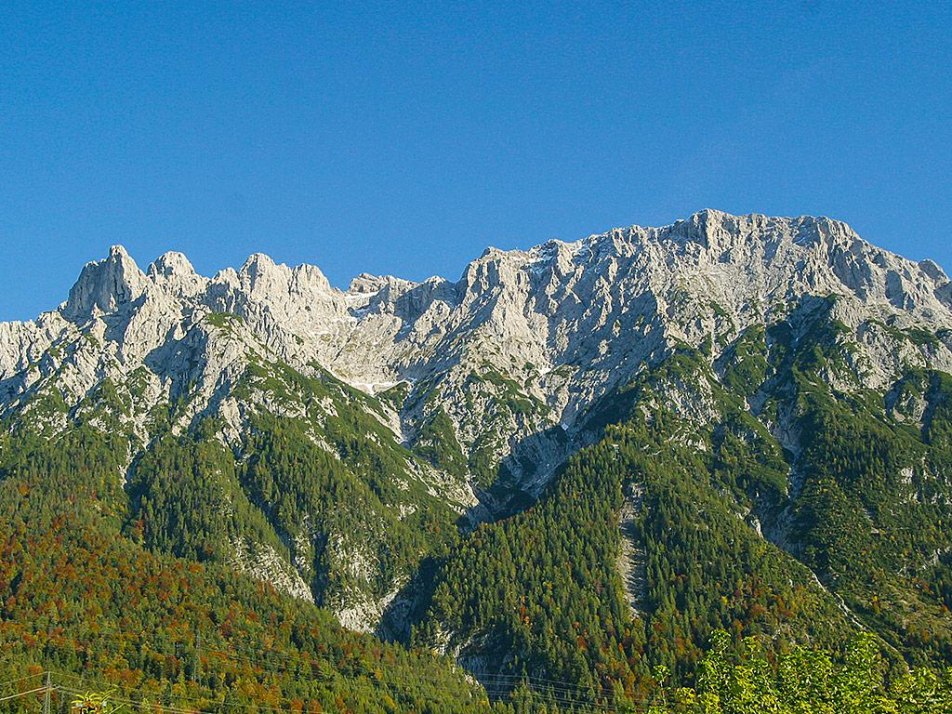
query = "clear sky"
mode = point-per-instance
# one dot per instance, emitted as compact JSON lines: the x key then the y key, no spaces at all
{"x":406,"y":137}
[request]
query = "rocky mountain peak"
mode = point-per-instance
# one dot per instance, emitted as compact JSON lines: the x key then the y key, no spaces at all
{"x":366,"y":283}
{"x":171,"y":263}
{"x":261,"y":277}
{"x":932,"y":269}
{"x":106,"y":285}
{"x":257,"y":263}
{"x":173,"y":272}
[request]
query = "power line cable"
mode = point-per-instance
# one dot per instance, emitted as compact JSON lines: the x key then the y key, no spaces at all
{"x":21,"y":679}
{"x":23,"y":694}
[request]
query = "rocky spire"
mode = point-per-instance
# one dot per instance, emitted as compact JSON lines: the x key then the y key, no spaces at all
{"x":105,"y":285}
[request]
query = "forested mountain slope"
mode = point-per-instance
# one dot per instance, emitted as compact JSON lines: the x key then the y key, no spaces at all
{"x":81,"y":599}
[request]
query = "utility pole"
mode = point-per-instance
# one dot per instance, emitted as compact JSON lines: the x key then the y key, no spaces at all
{"x":198,"y":655}
{"x":46,"y":694}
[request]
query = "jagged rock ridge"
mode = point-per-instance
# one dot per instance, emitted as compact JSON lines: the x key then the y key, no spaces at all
{"x":566,"y":319}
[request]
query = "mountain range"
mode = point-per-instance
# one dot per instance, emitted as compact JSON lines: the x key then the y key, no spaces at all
{"x":570,"y":465}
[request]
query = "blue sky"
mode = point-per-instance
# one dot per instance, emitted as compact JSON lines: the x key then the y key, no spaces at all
{"x":406,"y":137}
